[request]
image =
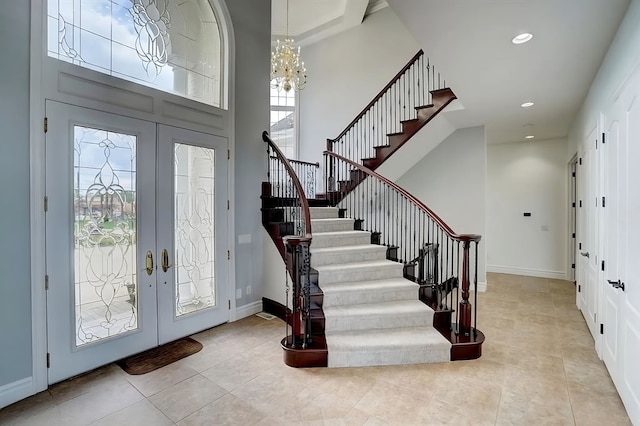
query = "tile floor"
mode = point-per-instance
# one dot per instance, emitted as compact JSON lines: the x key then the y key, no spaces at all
{"x":538,"y":367}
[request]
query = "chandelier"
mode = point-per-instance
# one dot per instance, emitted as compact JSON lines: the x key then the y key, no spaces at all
{"x":287,"y":68}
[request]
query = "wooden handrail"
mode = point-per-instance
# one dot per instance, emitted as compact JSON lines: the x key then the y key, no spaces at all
{"x":304,"y":203}
{"x":457,"y":237}
{"x":379,"y":95}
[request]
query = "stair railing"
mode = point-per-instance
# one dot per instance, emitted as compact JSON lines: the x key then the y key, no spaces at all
{"x":307,"y":173}
{"x":288,"y":195}
{"x":397,"y":101}
{"x":444,"y":263}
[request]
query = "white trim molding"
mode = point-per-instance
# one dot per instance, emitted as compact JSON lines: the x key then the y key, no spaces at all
{"x":247,"y":310}
{"x":14,"y":392}
{"x":540,"y":273}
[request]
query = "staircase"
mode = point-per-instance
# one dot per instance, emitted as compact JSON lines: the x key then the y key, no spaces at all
{"x":372,"y":314}
{"x":374,"y":276}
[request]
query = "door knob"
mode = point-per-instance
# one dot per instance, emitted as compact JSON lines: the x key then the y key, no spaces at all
{"x":164,"y":260}
{"x":617,"y":284}
{"x":149,"y":262}
{"x":585,"y":254}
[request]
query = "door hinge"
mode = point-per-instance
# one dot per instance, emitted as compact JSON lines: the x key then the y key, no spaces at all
{"x":580,"y":161}
{"x":228,"y":205}
{"x":573,"y":204}
{"x":579,"y":288}
{"x":579,"y":246}
{"x":46,"y":125}
{"x":603,"y":139}
{"x":580,"y":203}
{"x":46,"y":203}
{"x":46,"y":282}
{"x":602,"y":265}
{"x":573,"y":235}
{"x":596,"y":143}
{"x":601,"y":328}
{"x":48,"y":360}
{"x":228,"y":154}
{"x":228,"y":254}
{"x":229,"y":304}
{"x":603,"y":201}
{"x":573,"y":266}
{"x":573,"y":174}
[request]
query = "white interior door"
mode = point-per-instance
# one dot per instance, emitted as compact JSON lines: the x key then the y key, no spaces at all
{"x":100,"y":225}
{"x":614,"y":224}
{"x":136,"y":236}
{"x":192,"y":232}
{"x":589,"y":244}
{"x":628,"y":380}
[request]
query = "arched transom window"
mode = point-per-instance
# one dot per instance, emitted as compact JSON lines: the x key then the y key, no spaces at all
{"x":171,"y":45}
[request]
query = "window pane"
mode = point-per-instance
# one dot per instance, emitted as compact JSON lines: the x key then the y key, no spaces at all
{"x":173,"y":46}
{"x":282,"y":121}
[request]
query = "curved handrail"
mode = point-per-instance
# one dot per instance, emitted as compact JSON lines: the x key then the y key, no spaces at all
{"x":458,"y":237}
{"x":304,"y":203}
{"x":379,"y":95}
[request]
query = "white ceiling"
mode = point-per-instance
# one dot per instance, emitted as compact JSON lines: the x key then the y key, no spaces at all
{"x":470,"y":42}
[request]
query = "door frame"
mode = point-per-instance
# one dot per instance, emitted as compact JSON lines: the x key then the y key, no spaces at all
{"x":38,"y":93}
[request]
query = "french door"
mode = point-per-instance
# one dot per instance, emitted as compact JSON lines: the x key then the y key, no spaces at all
{"x":136,"y":236}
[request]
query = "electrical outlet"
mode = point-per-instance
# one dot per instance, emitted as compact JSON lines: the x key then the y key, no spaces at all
{"x":239,"y":293}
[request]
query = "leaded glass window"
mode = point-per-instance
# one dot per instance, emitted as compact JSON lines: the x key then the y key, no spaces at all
{"x":173,"y":46}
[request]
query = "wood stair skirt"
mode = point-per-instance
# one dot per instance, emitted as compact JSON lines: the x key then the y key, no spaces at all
{"x":372,"y":315}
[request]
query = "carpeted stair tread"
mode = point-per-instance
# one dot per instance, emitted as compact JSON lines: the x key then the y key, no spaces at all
{"x":386,"y":339}
{"x":367,"y":292}
{"x":332,"y":224}
{"x":394,"y":314}
{"x":358,"y":271}
{"x":340,"y":238}
{"x":345,"y":254}
{"x":324,"y":212}
{"x":358,"y":265}
{"x":397,"y":346}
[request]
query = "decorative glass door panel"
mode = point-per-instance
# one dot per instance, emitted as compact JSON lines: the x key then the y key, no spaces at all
{"x":104,"y":212}
{"x":136,"y":235}
{"x":192,"y":231}
{"x":195,"y":232}
{"x":100,"y":225}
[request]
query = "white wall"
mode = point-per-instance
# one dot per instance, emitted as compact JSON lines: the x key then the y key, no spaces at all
{"x":15,"y":284}
{"x":527,"y":177}
{"x":451,"y":181}
{"x":345,"y":72}
{"x":252,"y":29}
{"x":621,"y":59}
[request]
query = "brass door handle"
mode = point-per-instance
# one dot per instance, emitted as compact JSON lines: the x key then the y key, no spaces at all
{"x":149,"y":262}
{"x":164,"y":260}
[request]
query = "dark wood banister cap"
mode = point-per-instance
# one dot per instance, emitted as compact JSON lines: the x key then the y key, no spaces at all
{"x":458,"y":237}
{"x":304,"y":203}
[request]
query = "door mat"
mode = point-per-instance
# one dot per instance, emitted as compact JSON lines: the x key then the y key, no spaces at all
{"x":150,"y":360}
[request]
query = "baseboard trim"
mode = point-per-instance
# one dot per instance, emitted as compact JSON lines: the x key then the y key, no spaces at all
{"x":540,"y":273}
{"x":272,"y":307}
{"x":248,"y":310}
{"x":14,"y":392}
{"x":482,"y":286}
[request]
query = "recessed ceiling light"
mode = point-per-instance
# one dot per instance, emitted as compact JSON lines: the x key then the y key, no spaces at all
{"x":522,"y":38}
{"x":527,"y":104}
{"x":529,"y":137}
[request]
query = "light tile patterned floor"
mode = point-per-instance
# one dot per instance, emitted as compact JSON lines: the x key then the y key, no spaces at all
{"x":538,"y":367}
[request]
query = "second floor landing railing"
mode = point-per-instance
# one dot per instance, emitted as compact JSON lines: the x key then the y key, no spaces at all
{"x":409,"y":90}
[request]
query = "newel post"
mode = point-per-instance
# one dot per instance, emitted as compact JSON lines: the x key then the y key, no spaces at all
{"x":464,"y":326}
{"x":299,"y":266}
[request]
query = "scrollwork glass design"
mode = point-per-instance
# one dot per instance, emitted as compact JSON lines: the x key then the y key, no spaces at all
{"x":170,"y":45}
{"x":104,"y":234}
{"x":195,"y":231}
